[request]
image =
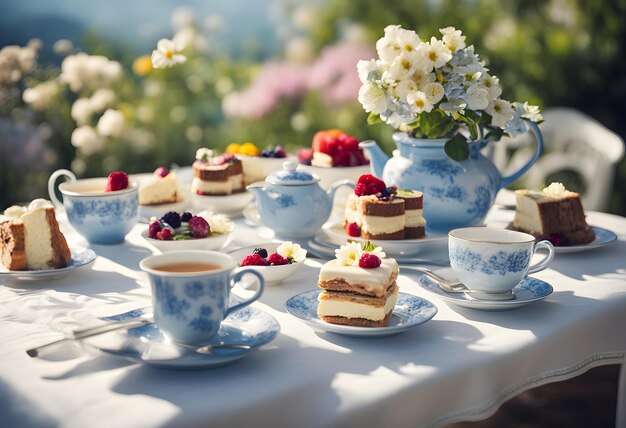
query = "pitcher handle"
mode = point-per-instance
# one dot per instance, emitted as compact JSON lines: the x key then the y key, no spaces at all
{"x":543,"y":263}
{"x":52,"y":181}
{"x":236,"y":278}
{"x":505,"y":181}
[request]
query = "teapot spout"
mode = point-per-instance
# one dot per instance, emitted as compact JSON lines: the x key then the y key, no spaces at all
{"x":378,"y":158}
{"x":259,"y":191}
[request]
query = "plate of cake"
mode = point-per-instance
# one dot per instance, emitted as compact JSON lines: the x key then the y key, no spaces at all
{"x":160,"y":192}
{"x":32,"y":246}
{"x":556,"y":214}
{"x":357,"y":295}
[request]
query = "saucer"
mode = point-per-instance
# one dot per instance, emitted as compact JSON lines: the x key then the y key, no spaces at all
{"x":409,"y":312}
{"x":232,"y":205}
{"x":146,"y":344}
{"x":603,"y":237}
{"x":528,"y":291}
{"x":433,"y":241}
{"x":80,"y":257}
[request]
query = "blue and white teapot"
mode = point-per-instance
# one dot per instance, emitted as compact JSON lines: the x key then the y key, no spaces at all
{"x":292,"y":203}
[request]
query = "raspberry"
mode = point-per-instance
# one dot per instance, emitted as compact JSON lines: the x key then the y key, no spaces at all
{"x":280,"y":153}
{"x":369,"y":261}
{"x":348,"y":142}
{"x":161,"y":172}
{"x":199,"y":227}
{"x":254,"y":260}
{"x":368,"y":185}
{"x":165,"y":235}
{"x":172,"y":218}
{"x":276,"y":259}
{"x":117,"y":180}
{"x":305,"y":156}
{"x":342,"y":158}
{"x":153,"y":229}
{"x":353,"y":229}
{"x":186,"y":216}
{"x":261,"y":252}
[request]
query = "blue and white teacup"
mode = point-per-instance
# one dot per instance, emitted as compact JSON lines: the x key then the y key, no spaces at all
{"x":494,"y":261}
{"x":191,"y":292}
{"x":101,"y":217}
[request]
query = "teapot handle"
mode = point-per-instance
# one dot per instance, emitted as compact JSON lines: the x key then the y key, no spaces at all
{"x":336,"y":185}
{"x":505,"y":181}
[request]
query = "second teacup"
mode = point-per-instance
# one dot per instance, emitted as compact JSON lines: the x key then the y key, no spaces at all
{"x":494,"y":261}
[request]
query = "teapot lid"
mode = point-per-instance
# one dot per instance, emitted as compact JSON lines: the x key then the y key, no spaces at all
{"x":289,"y":176}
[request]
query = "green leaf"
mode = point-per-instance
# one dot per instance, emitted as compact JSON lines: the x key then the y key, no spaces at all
{"x":494,"y":134}
{"x":373,"y":119}
{"x":485,"y":119}
{"x":471,"y":126}
{"x":457,"y":148}
{"x":368,"y":246}
{"x":435,"y":124}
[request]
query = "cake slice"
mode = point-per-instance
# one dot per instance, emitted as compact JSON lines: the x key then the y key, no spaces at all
{"x":415,"y":224}
{"x":554,"y":213}
{"x":165,"y":189}
{"x":216,"y":175}
{"x":30,"y":238}
{"x":359,"y":287}
{"x":381,"y":219}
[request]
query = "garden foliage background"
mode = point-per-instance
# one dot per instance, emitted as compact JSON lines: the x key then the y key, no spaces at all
{"x":283,"y":86}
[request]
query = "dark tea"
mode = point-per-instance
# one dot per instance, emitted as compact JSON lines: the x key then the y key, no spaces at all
{"x":188,"y":267}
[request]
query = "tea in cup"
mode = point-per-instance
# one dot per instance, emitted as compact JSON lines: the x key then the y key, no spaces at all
{"x":191,"y":292}
{"x":101,"y":217}
{"x":493,"y":261}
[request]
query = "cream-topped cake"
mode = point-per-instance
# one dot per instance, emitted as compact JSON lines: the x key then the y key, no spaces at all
{"x":165,"y":189}
{"x":216,"y":175}
{"x":359,"y":287}
{"x":554,"y":213}
{"x":30,"y":238}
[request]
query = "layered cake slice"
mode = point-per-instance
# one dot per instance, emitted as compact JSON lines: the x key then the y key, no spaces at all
{"x":30,"y":238}
{"x":165,"y":189}
{"x":415,"y":224}
{"x":554,"y":213}
{"x":359,"y":287}
{"x":216,"y":175}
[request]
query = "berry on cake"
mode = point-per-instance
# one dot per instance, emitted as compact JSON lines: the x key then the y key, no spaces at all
{"x":164,"y":189}
{"x":375,"y":211}
{"x":30,"y":238}
{"x":358,"y":287}
{"x":216,"y":175}
{"x":555,"y":214}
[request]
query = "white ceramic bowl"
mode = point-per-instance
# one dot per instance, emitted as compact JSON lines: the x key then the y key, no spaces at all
{"x":329,"y":175}
{"x":272,"y":275}
{"x":230,"y":204}
{"x":211,"y":243}
{"x":256,"y":168}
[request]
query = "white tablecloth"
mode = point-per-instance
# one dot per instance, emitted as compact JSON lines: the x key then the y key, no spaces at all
{"x":461,"y":365}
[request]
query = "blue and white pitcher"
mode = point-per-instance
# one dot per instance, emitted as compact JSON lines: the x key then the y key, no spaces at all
{"x":456,"y":194}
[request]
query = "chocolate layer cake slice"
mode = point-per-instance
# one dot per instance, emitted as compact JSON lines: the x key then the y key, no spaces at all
{"x":382,"y":219}
{"x":415,"y":224}
{"x":217,"y":176}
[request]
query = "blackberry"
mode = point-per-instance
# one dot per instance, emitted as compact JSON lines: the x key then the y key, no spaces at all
{"x":172,"y":218}
{"x":261,"y":252}
{"x":186,"y":216}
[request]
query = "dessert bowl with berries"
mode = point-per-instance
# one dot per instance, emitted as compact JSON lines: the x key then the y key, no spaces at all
{"x":276,"y":261}
{"x":258,"y":163}
{"x":184,"y":231}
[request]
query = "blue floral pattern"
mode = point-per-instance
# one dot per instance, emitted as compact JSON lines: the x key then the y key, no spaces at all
{"x":107,"y":211}
{"x":500,"y":263}
{"x":441,"y":168}
{"x":170,"y":304}
{"x":481,"y":203}
{"x":456,"y":193}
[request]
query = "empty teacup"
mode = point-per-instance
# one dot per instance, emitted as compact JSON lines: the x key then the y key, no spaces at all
{"x":101,"y":217}
{"x":493,"y":261}
{"x":191,"y":292}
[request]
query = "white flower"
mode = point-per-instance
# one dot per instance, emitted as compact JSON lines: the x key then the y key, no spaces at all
{"x":477,"y":97}
{"x":453,"y":38}
{"x":63,"y":47}
{"x":555,"y":189}
{"x":434,"y":54}
{"x":39,"y":97}
{"x":402,"y":67}
{"x":184,"y":37}
{"x":434,"y":92}
{"x":292,"y":251}
{"x":203,"y":154}
{"x":501,"y":112}
{"x":81,"y":111}
{"x":404,"y":88}
{"x":531,"y":113}
{"x":349,"y":254}
{"x":387,"y":47}
{"x":101,"y":99}
{"x":419,"y":102}
{"x":373,"y":98}
{"x":378,"y":252}
{"x":82,"y":71}
{"x":408,"y":40}
{"x":87,"y":140}
{"x":369,"y":71}
{"x":111,"y":124}
{"x":218,"y":223}
{"x":165,"y":55}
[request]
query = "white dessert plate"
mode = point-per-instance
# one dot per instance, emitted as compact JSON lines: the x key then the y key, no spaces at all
{"x":80,"y":257}
{"x":528,"y":291}
{"x":273,"y":275}
{"x":433,"y":241}
{"x":603,"y":237}
{"x":146,"y":344}
{"x":230,"y":204}
{"x":409,"y":312}
{"x":214,"y":242}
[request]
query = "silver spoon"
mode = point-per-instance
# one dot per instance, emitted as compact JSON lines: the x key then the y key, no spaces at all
{"x":444,"y":284}
{"x":208,"y":349}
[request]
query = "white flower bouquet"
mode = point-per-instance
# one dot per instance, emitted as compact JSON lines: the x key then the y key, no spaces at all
{"x":438,"y":89}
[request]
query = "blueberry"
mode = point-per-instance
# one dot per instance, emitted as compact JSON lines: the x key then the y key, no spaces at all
{"x":261,"y":252}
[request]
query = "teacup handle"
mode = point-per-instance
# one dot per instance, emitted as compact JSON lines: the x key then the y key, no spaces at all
{"x":236,"y":278}
{"x":52,"y":181}
{"x":542,"y":264}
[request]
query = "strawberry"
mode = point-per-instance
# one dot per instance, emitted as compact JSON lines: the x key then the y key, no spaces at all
{"x":277,"y":260}
{"x":369,"y":261}
{"x":254,"y":260}
{"x":161,"y":172}
{"x":342,"y":158}
{"x":348,"y":142}
{"x":117,"y":180}
{"x":165,"y":235}
{"x":353,"y":229}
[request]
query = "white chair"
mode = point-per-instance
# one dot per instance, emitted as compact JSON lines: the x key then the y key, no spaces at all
{"x":573,"y":142}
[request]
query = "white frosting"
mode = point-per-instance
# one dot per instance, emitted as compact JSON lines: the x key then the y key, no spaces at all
{"x":556,"y":189}
{"x":321,"y":160}
{"x":39,"y":203}
{"x":351,"y":213}
{"x":204,"y":154}
{"x":234,"y":182}
{"x":378,"y":225}
{"x":415,"y":218}
{"x":15,"y":211}
{"x":370,"y":279}
{"x":356,"y":310}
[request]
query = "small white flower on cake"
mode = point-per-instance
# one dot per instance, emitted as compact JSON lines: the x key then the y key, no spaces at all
{"x":292,"y":251}
{"x":166,"y":54}
{"x":370,"y":248}
{"x":349,"y":253}
{"x":203,"y":154}
{"x":555,"y":189}
{"x":219,"y":223}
